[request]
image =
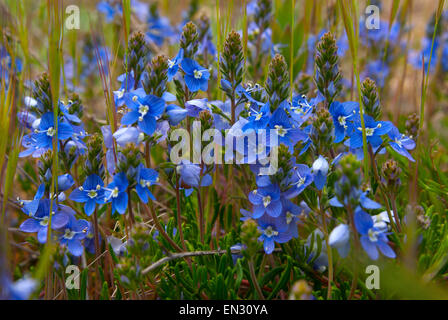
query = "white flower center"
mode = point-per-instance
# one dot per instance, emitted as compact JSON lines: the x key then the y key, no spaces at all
{"x":143,"y":110}
{"x":266,"y":201}
{"x":289,"y":217}
{"x":92,"y":194}
{"x":51,"y":131}
{"x":115,"y":192}
{"x":269,"y":232}
{"x":197,"y":74}
{"x":170,"y":63}
{"x":342,"y":122}
{"x":280,"y":130}
{"x":44,"y":222}
{"x":69,"y":234}
{"x":120,"y":93}
{"x":373,"y":235}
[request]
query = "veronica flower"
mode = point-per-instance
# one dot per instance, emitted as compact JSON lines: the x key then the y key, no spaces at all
{"x":22,"y":288}
{"x":258,"y":117}
{"x":46,"y":130}
{"x":246,"y":92}
{"x":300,"y":178}
{"x":116,"y":192}
{"x":109,"y":10}
{"x":340,"y":239}
{"x":374,"y":131}
{"x":144,"y":111}
{"x":266,"y":200}
{"x":300,"y":109}
{"x":287,"y":134}
{"x":355,"y":195}
{"x":342,"y":113}
{"x":289,"y":218}
{"x":126,"y":135}
{"x":196,"y":106}
{"x":26,"y":119}
{"x":173,"y":65}
{"x":192,"y":175}
{"x":39,"y":221}
{"x":66,"y":112}
{"x":372,"y":238}
{"x":90,"y":193}
{"x":65,"y":182}
{"x":401,"y":143}
{"x":196,"y":77}
{"x":127,"y":85}
{"x":320,"y":170}
{"x":73,"y":233}
{"x":271,"y":232}
{"x":159,"y":29}
{"x":146,"y":178}
{"x":30,"y":206}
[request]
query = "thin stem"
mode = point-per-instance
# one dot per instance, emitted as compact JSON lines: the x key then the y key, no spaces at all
{"x":357,"y":247}
{"x":179,"y":213}
{"x":253,"y":277}
{"x":201,"y":215}
{"x":329,"y":252}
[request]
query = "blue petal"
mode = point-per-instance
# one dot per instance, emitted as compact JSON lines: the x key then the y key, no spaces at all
{"x":370,"y":248}
{"x":148,"y":125}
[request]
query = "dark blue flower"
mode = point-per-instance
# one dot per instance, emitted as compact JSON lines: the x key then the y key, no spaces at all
{"x":286,"y":133}
{"x":116,"y":192}
{"x":144,"y":111}
{"x":196,"y":77}
{"x":91,"y":193}
{"x":372,"y":238}
{"x":146,"y":178}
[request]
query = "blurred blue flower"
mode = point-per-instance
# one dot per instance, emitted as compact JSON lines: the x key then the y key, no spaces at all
{"x":146,"y":178}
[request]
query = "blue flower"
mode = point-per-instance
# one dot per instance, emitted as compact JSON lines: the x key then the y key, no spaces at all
{"x":91,"y":193}
{"x":45,"y":132}
{"x":196,"y":77}
{"x":320,"y":170}
{"x":159,"y":29}
{"x":372,"y":238}
{"x":374,"y":131}
{"x":126,"y":135}
{"x":286,"y":133}
{"x":192,"y":175}
{"x":175,"y":114}
{"x":116,"y":192}
{"x":144,"y":110}
{"x":146,"y":178}
{"x":196,"y":106}
{"x":300,"y":179}
{"x":272,"y":232}
{"x":65,"y":182}
{"x":108,"y":10}
{"x":22,"y":288}
{"x":30,"y":206}
{"x":73,"y":233}
{"x":127,"y":85}
{"x":300,"y":109}
{"x":340,"y":239}
{"x":266,"y":200}
{"x":173,"y":65}
{"x":258,"y":117}
{"x":39,"y":221}
{"x":401,"y":143}
{"x":342,"y":113}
